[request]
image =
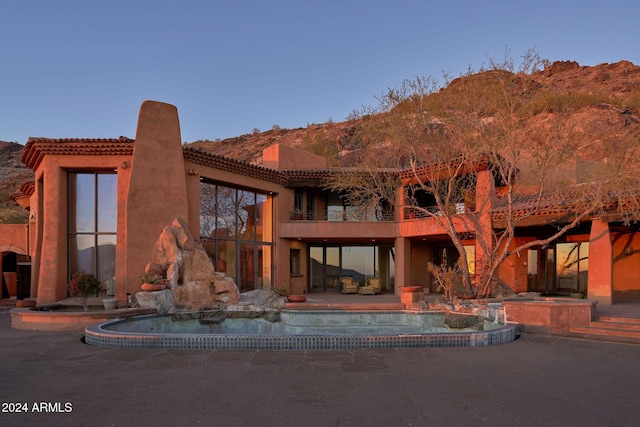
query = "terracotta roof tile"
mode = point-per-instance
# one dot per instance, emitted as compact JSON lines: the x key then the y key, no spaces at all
{"x":205,"y":158}
{"x":559,"y":202}
{"x":26,"y":190}
{"x":36,"y":148}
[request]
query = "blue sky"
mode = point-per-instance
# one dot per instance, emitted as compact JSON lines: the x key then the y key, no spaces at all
{"x":81,"y":68}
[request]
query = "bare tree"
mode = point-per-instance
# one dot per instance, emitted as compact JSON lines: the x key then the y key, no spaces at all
{"x":435,"y":140}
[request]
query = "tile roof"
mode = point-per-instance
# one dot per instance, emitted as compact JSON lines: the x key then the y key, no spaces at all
{"x":26,"y":190}
{"x":36,"y":148}
{"x":471,"y":166}
{"x":563,"y":201}
{"x":198,"y":156}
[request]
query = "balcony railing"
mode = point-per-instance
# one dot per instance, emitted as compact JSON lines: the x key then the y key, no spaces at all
{"x":378,"y":216}
{"x":341,"y":216}
{"x":424,"y":212}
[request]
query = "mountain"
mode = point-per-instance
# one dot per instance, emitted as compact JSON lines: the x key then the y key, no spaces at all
{"x":608,"y":96}
{"x":12,"y":174}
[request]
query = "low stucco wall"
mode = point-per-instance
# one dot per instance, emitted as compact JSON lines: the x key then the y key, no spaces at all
{"x":546,"y":316}
{"x":28,"y":319}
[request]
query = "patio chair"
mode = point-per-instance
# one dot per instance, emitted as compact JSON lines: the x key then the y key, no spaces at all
{"x":349,"y":286}
{"x":373,"y":286}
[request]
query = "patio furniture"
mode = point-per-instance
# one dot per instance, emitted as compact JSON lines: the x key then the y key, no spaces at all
{"x":373,"y":286}
{"x":349,"y":286}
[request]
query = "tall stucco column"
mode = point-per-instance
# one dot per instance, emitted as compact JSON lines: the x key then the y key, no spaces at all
{"x":600,"y":276}
{"x":158,"y":187}
{"x":485,"y":195}
{"x":52,"y":275}
{"x":402,"y":248}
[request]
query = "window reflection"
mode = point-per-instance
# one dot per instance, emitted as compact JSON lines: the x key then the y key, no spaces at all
{"x":328,"y":263}
{"x":572,"y":266}
{"x":81,"y":202}
{"x":225,"y":212}
{"x":246,"y":214}
{"x":92,"y":224}
{"x":236,"y":230}
{"x":107,"y":202}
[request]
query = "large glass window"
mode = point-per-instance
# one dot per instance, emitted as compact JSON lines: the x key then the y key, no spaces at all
{"x":236,"y":229}
{"x":572,"y":266}
{"x":92,"y":223}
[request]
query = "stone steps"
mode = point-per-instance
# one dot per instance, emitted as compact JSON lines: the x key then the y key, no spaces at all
{"x":606,"y":328}
{"x":629,"y":321}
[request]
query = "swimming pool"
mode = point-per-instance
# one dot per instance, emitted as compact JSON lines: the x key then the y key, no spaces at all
{"x":299,"y":330}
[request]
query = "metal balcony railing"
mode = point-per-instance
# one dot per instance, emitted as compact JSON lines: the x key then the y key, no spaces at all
{"x":423,"y":212}
{"x":341,"y":216}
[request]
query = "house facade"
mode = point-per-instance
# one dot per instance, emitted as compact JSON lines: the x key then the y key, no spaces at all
{"x":98,"y":205}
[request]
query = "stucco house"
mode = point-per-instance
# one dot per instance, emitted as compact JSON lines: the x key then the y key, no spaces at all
{"x":98,"y":205}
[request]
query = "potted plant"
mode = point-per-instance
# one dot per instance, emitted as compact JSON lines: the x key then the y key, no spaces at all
{"x":297,"y":214}
{"x":83,"y":285}
{"x":152,"y":281}
{"x":282,"y":291}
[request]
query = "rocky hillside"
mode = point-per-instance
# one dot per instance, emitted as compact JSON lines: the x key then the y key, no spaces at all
{"x":609,"y":95}
{"x":334,"y":141}
{"x":12,"y":174}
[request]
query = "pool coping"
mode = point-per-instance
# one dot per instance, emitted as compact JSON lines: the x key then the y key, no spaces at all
{"x":97,"y":335}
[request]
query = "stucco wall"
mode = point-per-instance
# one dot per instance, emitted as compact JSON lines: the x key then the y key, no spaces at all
{"x":626,"y":261}
{"x":157,"y":189}
{"x":281,"y":157}
{"x":49,"y":271}
{"x":14,"y":238}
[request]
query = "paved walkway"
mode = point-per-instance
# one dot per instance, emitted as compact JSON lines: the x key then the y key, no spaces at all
{"x":534,"y":381}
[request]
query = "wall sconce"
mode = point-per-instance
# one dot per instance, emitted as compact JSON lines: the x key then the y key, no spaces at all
{"x":192,"y":172}
{"x":124,"y":165}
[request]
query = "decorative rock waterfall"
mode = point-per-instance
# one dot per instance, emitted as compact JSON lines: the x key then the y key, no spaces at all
{"x":193,"y":282}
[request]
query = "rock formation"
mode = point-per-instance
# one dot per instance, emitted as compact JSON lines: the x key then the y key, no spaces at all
{"x":193,"y":282}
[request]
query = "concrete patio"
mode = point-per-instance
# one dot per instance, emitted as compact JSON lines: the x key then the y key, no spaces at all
{"x":533,"y":381}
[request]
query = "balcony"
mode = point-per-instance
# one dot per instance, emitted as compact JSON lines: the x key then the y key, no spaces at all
{"x":342,"y":215}
{"x":427,"y":212}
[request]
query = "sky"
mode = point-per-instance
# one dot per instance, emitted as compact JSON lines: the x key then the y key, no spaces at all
{"x":82,"y":68}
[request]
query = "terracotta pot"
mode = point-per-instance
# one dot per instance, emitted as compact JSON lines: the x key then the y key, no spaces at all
{"x":411,"y":288}
{"x":150,"y":287}
{"x":297,"y":298}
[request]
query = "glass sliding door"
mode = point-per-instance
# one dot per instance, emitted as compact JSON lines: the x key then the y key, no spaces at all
{"x":327,"y":264}
{"x":358,"y":262}
{"x":316,"y":268}
{"x":324,"y":268}
{"x":332,"y":271}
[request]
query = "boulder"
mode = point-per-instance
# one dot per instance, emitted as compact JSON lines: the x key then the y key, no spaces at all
{"x":191,"y":275}
{"x":259,"y":303}
{"x":461,"y":321}
{"x":161,"y":301}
